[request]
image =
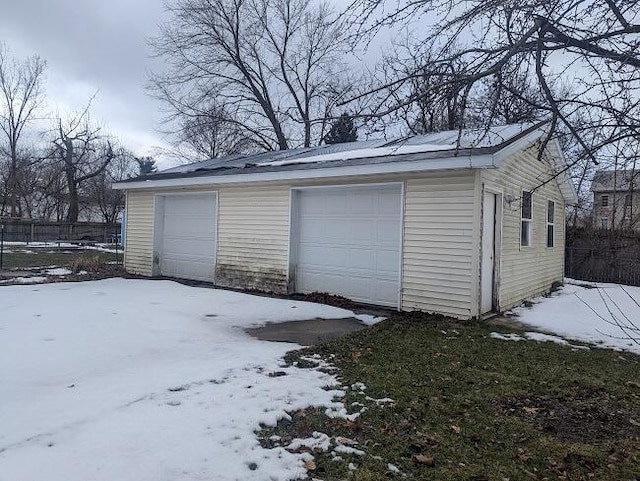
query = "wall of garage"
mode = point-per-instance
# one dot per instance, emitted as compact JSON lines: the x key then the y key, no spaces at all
{"x":138,"y":253}
{"x":526,"y":272}
{"x":438,"y":264}
{"x":253,"y":237}
{"x":440,"y":258}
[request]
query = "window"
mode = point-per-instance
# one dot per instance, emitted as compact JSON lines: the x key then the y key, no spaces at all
{"x":527,"y":210}
{"x":551,"y":217}
{"x":604,"y":222}
{"x":605,"y":201}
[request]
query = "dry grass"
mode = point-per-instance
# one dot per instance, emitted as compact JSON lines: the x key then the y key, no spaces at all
{"x":88,"y":263}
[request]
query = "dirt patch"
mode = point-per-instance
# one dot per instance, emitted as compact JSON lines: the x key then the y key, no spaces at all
{"x":326,"y":298}
{"x":344,"y":303}
{"x":589,"y":416}
{"x":307,"y":333}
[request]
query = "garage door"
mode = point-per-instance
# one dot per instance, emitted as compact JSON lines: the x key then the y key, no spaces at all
{"x":188,"y":243}
{"x":349,"y":242}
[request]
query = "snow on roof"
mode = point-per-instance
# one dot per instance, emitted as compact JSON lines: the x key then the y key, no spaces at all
{"x":452,"y":140}
{"x":358,"y":154}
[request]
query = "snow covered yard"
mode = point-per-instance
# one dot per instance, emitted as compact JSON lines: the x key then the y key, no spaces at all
{"x":604,"y":314}
{"x":147,"y":380}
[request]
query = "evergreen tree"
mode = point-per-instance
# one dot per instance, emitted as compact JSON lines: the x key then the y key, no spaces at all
{"x":146,"y":165}
{"x":342,"y":130}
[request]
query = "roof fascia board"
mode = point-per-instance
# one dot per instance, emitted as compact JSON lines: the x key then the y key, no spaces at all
{"x":428,"y":165}
{"x":566,"y":185}
{"x":520,"y":144}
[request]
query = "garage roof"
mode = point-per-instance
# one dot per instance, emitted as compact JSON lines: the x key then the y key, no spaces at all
{"x":454,"y":149}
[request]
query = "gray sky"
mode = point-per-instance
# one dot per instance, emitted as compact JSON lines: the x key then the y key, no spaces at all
{"x":101,"y":46}
{"x":89,"y":46}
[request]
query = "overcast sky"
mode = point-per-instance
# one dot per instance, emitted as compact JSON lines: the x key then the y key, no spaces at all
{"x":89,"y":46}
{"x":100,"y":46}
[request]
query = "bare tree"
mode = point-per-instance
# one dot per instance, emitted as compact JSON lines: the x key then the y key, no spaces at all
{"x":109,"y":202}
{"x":591,"y":44}
{"x":213,"y":133}
{"x":81,"y":152}
{"x":21,"y":96}
{"x":275,"y":65}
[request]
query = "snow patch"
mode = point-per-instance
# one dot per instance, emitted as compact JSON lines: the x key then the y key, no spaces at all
{"x":58,"y":271}
{"x":369,"y":320}
{"x":317,"y":442}
{"x":101,"y":378}
{"x":597,"y":313}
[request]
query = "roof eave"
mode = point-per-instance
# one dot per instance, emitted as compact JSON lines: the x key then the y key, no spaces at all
{"x":428,"y":165}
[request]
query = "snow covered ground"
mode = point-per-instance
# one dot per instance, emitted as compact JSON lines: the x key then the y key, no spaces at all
{"x":603,"y":314}
{"x":147,"y":380}
{"x":34,"y":247}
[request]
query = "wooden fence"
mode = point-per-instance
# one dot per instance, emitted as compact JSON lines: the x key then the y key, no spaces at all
{"x":26,"y":230}
{"x":595,"y":256}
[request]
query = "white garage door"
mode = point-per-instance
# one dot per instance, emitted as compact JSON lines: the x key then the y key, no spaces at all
{"x":349,"y":242}
{"x":188,"y":243}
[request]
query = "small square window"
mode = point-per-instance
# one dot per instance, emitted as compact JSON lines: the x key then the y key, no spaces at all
{"x":605,"y":201}
{"x":604,"y":222}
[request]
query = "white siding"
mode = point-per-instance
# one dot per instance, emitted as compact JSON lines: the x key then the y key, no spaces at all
{"x":253,"y":237}
{"x":138,"y":253}
{"x":526,"y":272}
{"x":439,"y":260}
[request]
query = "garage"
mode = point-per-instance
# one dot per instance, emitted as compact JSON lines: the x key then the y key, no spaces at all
{"x":348,"y":242}
{"x":186,"y":236}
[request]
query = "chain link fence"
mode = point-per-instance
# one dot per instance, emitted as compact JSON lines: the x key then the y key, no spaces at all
{"x":21,"y":230}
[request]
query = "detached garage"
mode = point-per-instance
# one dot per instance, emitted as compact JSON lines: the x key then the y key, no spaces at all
{"x":462,"y":224}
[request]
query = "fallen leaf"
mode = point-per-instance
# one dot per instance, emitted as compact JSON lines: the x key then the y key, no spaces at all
{"x":345,"y":441}
{"x":634,"y":422}
{"x":309,"y":465}
{"x":456,"y":429}
{"x":531,"y":410}
{"x":426,"y":460}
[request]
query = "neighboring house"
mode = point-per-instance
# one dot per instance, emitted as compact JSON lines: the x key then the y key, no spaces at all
{"x":459,"y":223}
{"x":616,"y":199}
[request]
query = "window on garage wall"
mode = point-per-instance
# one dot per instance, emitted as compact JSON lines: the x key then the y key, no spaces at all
{"x":551,"y":219}
{"x":527,"y":217}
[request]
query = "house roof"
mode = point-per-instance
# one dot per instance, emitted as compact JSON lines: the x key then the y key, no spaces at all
{"x":615,"y":180}
{"x":455,"y":149}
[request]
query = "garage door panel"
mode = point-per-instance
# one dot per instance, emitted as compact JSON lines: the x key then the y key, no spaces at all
{"x":311,"y":232}
{"x":363,"y":230}
{"x":388,"y":232}
{"x":185,"y":228}
{"x":349,"y":242}
{"x":389,"y":204}
{"x":188,"y":248}
{"x":387,"y":291}
{"x":362,"y":203}
{"x":336,"y":229}
{"x":387,"y":262}
{"x":361,"y":258}
{"x":188,"y":236}
{"x":335,"y":204}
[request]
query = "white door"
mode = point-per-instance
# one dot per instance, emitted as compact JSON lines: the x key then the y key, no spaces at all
{"x":488,"y":253}
{"x":188,"y":237}
{"x":348,"y":242}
